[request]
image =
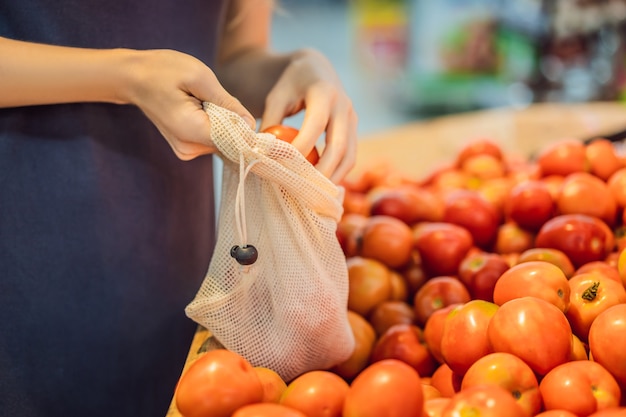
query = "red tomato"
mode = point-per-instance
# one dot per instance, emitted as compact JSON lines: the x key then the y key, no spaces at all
{"x":433,"y":407}
{"x":617,"y":185}
{"x":316,"y":394}
{"x":509,"y":372}
{"x":603,"y":158}
{"x":582,"y":238}
{"x":483,"y":401}
{"x":590,"y":294}
{"x":556,"y":413}
{"x":364,"y":339}
{"x":582,"y":387}
{"x":441,"y":246}
{"x":386,"y":388}
{"x":437,"y":293}
{"x":472,"y":211}
{"x":288,"y":134}
{"x":468,"y":321}
{"x":216,"y":384}
{"x":513,"y":239}
{"x":529,"y":204}
{"x":405,"y":342}
{"x":480,"y":271}
{"x":369,"y":284}
{"x":534,"y":330}
{"x":390,"y":313}
{"x":267,"y":410}
{"x":554,"y":256}
{"x":534,"y":278}
{"x":446,"y":381}
{"x":481,"y":146}
{"x":409,"y":204}
{"x":349,"y":231}
{"x":601,"y":267}
{"x":607,"y":339}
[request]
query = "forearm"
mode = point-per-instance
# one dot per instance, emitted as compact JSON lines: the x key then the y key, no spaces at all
{"x":32,"y":74}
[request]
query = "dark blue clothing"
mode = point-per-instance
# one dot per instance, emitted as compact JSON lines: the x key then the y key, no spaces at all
{"x":105,"y":236}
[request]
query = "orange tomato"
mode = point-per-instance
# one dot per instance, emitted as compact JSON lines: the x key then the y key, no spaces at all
{"x":216,"y":384}
{"x":386,"y":388}
{"x":389,"y":313}
{"x":388,"y":240}
{"x":288,"y":134}
{"x":273,"y":384}
{"x":267,"y":410}
{"x":316,"y":394}
{"x":369,"y":284}
{"x":364,"y":339}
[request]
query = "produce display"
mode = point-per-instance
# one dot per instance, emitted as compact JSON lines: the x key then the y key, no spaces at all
{"x":493,"y":286}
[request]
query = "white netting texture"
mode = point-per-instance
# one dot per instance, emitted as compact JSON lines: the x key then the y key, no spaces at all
{"x":288,"y":310}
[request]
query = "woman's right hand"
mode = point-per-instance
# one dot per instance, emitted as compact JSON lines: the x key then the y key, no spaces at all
{"x":169,"y":87}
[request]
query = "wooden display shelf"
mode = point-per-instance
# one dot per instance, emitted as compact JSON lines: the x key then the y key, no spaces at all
{"x":416,"y":148}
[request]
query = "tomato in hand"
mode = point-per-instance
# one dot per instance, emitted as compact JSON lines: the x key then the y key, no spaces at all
{"x":288,"y":134}
{"x":216,"y":384}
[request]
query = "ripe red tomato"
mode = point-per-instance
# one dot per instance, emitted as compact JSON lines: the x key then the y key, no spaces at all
{"x":479,"y":146}
{"x":390,"y":313}
{"x":509,"y":372}
{"x":554,"y":256}
{"x":408,"y":203}
{"x":267,"y":410}
{"x":472,"y":211}
{"x":530,"y":204}
{"x":534,"y":278}
{"x":369,"y":284}
{"x":582,"y":387}
{"x":364,"y":339}
{"x":433,"y":330}
{"x":581,"y":237}
{"x":484,"y":401}
{"x":603,"y":158}
{"x":590,"y":294}
{"x":534,"y":330}
{"x":288,"y":134}
{"x":446,"y":381}
{"x":563,"y":158}
{"x":468,"y":321}
{"x":441,"y":246}
{"x":216,"y":384}
{"x":437,"y":293}
{"x":480,"y":271}
{"x":607,"y":338}
{"x":316,"y":394}
{"x":405,"y":342}
{"x":386,"y":388}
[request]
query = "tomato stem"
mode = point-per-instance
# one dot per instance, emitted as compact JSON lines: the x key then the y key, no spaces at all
{"x":590,"y":293}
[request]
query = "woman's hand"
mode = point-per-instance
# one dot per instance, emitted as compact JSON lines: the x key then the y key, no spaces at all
{"x":169,"y":87}
{"x":310,"y":83}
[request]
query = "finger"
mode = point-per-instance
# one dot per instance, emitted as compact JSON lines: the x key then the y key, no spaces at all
{"x":316,"y":119}
{"x":278,"y":105}
{"x":349,"y":159}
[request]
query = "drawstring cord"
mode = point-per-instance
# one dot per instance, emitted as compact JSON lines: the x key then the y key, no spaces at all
{"x":244,"y":254}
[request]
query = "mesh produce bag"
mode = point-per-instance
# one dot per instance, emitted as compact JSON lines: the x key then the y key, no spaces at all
{"x":287,"y":310}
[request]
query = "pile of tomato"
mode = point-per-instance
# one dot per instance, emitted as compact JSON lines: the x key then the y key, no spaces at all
{"x":494,"y":286}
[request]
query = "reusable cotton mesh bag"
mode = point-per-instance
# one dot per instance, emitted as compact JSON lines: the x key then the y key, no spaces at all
{"x":288,"y":310}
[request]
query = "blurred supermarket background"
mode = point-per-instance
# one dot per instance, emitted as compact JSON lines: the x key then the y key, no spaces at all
{"x":405,"y":60}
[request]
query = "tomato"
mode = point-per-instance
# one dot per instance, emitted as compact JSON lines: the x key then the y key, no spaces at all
{"x":409,"y":204}
{"x":369,"y":284}
{"x":437,"y":293}
{"x":581,"y":237}
{"x":556,"y":413}
{"x":386,"y":388}
{"x":584,"y":193}
{"x":607,"y":338}
{"x":405,"y":342}
{"x":399,"y":286}
{"x":468,"y":321}
{"x":267,"y":410}
{"x":389,"y":313}
{"x":590,"y":294}
{"x":316,"y":394}
{"x":563,"y":158}
{"x":484,"y":401}
{"x":534,"y":278}
{"x":617,"y":185}
{"x":273,"y":384}
{"x":601,"y":267}
{"x":349,"y":232}
{"x":534,"y":330}
{"x":480,"y":271}
{"x":446,"y":380}
{"x":364,"y":339}
{"x":216,"y":384}
{"x":433,"y":330}
{"x":387,"y":240}
{"x":554,"y":256}
{"x":582,"y":387}
{"x":288,"y":134}
{"x":441,"y":246}
{"x":472,"y":211}
{"x":479,"y":146}
{"x":529,"y":204}
{"x":511,"y":238}
{"x":579,"y":349}
{"x":603,"y":158}
{"x":356,"y":202}
{"x":414,"y":276}
{"x":483,"y":167}
{"x":433,"y":407}
{"x":509,"y":372}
